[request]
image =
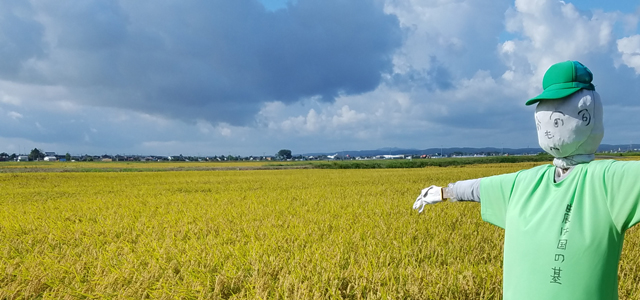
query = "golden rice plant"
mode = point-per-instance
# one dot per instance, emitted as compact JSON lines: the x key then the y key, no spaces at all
{"x":269,"y":234}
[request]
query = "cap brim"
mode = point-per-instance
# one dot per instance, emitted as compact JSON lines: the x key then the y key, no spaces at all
{"x":553,"y":94}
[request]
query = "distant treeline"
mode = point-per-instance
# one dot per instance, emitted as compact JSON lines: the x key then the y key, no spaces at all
{"x":618,"y":154}
{"x":435,"y":162}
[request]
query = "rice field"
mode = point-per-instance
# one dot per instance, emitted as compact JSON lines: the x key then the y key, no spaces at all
{"x":252,"y":234}
{"x":125,"y":166}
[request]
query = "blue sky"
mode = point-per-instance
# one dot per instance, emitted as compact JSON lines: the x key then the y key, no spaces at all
{"x":251,"y":77}
{"x":274,"y":4}
{"x":623,"y":6}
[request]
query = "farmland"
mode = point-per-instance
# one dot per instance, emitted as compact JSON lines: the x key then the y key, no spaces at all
{"x":248,"y":234}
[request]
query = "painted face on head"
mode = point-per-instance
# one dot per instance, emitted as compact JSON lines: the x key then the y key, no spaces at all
{"x":571,"y":125}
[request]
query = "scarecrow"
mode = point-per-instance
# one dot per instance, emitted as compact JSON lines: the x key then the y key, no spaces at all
{"x":564,"y":223}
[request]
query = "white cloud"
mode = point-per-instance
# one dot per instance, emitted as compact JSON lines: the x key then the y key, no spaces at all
{"x":629,"y":48}
{"x":346,"y":116}
{"x":9,"y":99}
{"x":204,"y":126}
{"x":559,"y":29}
{"x":548,"y":32}
{"x":68,"y":106}
{"x":451,"y":33}
{"x":313,"y":120}
{"x":225,"y":131}
{"x":458,"y":80}
{"x":508,"y":47}
{"x":14,"y":115}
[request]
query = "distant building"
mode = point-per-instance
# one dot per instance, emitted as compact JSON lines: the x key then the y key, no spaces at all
{"x":23,"y":158}
{"x":50,"y":158}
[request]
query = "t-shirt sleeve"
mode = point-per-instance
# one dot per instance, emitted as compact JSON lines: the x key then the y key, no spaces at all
{"x":622,"y":185}
{"x":495,"y":192}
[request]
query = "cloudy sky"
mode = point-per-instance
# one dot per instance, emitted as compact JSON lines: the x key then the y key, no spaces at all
{"x":250,"y":77}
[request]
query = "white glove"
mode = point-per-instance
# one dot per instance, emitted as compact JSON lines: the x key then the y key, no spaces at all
{"x":430,"y":195}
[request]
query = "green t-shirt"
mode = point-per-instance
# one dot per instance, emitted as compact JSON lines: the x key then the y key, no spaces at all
{"x":563,"y":240}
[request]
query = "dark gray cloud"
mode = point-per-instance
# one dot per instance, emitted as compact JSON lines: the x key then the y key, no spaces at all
{"x":437,"y":77}
{"x":216,"y":60}
{"x":20,"y":37}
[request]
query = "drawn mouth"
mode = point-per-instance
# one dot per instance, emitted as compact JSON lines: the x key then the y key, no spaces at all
{"x":554,"y":148}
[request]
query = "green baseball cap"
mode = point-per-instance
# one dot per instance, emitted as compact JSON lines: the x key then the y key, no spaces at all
{"x":564,"y":79}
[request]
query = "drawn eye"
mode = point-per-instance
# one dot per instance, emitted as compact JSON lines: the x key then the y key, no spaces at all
{"x":585,"y":116}
{"x":558,"y":122}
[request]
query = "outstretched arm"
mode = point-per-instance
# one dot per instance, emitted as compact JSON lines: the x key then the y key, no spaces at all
{"x":465,"y":190}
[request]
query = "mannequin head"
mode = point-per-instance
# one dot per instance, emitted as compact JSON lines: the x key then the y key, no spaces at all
{"x":571,"y":125}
